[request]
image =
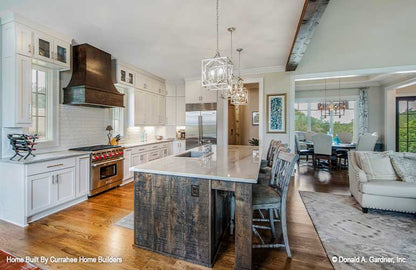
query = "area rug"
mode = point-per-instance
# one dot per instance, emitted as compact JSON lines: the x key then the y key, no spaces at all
{"x":127,"y":221}
{"x":354,"y":240}
{"x":10,"y":262}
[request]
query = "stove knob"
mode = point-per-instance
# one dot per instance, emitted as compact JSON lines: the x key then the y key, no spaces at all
{"x":94,"y":158}
{"x":113,"y":154}
{"x":102,"y":156}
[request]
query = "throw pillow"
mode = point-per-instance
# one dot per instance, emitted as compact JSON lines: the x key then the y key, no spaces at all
{"x":376,"y":165}
{"x":405,"y":167}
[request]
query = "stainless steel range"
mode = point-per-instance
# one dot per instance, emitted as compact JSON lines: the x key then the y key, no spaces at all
{"x":106,"y":167}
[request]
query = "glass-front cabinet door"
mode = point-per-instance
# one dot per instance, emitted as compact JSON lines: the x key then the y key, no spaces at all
{"x":61,"y":53}
{"x":43,"y":47}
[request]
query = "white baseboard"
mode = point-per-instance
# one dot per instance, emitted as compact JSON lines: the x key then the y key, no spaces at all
{"x":126,"y":181}
{"x":56,"y":209}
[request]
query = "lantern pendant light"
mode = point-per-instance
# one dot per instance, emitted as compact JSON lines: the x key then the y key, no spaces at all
{"x":217,"y":71}
{"x":239,"y":94}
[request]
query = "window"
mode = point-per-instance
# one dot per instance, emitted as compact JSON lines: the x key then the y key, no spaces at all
{"x":44,"y":101}
{"x":118,"y":117}
{"x":406,"y":124}
{"x":301,"y":116}
{"x":308,"y":118}
{"x":40,"y":99}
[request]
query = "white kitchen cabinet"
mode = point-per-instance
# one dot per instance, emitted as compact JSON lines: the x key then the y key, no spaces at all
{"x":180,"y":111}
{"x":180,"y":90}
{"x":83,"y":176}
{"x":124,"y":75}
{"x":64,"y":184}
{"x":171,"y":110}
{"x":140,"y":108}
{"x":24,"y":90}
{"x":179,"y":146}
{"x":17,"y":91}
{"x":195,"y":93}
{"x":40,"y":193}
{"x":141,"y":154}
{"x":61,"y":53}
{"x":138,"y":159}
{"x":161,"y":109}
{"x":50,"y":189}
{"x":24,"y":39}
{"x":127,"y":163}
{"x":170,"y":89}
{"x":161,"y":87}
{"x":43,"y":47}
{"x":51,"y":50}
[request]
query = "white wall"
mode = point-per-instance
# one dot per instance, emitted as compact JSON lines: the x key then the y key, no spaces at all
{"x":274,"y":83}
{"x":357,"y":34}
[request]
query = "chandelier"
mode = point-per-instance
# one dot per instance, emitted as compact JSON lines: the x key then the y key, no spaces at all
{"x":333,"y":108}
{"x":217,"y":71}
{"x":239,"y":94}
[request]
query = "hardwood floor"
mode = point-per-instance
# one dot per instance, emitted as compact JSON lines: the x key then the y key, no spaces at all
{"x":88,"y":230}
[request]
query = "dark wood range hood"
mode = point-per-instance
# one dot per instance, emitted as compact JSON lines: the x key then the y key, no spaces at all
{"x":91,"y":83}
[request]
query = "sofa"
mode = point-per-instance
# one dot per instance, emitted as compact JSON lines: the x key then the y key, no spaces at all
{"x":383,"y":180}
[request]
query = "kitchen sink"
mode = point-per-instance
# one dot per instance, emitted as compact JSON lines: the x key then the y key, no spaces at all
{"x":191,"y":154}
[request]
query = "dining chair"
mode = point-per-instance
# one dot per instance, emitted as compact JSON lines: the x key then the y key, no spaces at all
{"x":272,"y":199}
{"x":322,"y":145}
{"x":367,"y":142}
{"x":345,"y":137}
{"x":266,"y":162}
{"x":303,"y":152}
{"x":308,"y":135}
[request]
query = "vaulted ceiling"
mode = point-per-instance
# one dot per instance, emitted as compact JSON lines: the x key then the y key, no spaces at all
{"x":170,"y":37}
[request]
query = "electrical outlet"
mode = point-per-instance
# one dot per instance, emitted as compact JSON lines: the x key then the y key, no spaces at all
{"x":194,"y":190}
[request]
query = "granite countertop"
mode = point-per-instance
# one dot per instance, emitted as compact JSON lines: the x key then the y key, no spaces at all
{"x":45,"y":157}
{"x":135,"y":144}
{"x":235,"y":163}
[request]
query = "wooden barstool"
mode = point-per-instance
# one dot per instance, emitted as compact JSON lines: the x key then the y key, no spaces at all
{"x":272,"y":199}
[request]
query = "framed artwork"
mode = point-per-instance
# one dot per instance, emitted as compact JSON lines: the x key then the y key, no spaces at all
{"x":276,"y":113}
{"x":255,"y":118}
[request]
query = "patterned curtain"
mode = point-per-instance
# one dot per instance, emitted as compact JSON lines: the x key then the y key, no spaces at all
{"x":363,"y":111}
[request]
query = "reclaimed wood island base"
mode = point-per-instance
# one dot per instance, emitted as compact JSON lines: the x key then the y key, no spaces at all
{"x":182,"y":205}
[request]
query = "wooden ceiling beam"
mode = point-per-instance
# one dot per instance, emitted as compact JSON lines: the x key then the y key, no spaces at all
{"x":308,"y":22}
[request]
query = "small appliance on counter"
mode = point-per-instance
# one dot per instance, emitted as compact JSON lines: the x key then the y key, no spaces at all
{"x":22,"y":143}
{"x":180,"y":135}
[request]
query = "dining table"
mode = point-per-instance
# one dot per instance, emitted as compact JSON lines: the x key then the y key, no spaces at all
{"x":335,"y":146}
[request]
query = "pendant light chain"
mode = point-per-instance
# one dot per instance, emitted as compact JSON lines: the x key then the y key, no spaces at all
{"x":239,"y":63}
{"x":218,"y":35}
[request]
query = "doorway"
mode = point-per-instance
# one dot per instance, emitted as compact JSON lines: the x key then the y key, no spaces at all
{"x":243,"y":120}
{"x":406,"y":124}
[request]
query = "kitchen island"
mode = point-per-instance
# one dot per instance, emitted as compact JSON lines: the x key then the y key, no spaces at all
{"x":182,"y":203}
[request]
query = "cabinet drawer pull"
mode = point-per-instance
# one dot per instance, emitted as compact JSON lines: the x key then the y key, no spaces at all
{"x":56,"y":165}
{"x":142,"y":149}
{"x":57,"y":179}
{"x":53,"y":179}
{"x":155,"y":154}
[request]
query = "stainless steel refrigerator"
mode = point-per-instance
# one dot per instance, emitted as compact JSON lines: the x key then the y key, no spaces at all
{"x":201,"y":124}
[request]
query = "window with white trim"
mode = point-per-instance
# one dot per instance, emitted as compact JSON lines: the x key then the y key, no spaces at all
{"x":118,"y":118}
{"x":40,"y":113}
{"x":44,"y":116}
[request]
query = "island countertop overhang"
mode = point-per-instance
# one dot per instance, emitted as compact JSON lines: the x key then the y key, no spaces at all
{"x":233,"y":163}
